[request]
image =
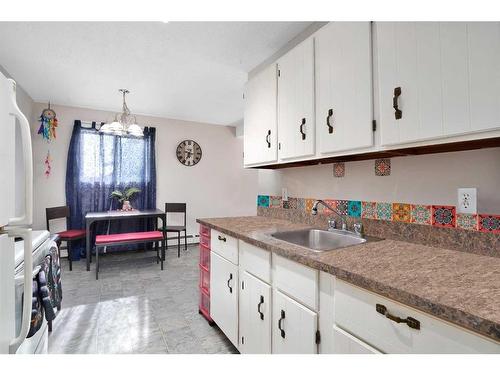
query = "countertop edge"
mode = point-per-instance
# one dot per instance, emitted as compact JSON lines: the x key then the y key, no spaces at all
{"x":481,"y":326}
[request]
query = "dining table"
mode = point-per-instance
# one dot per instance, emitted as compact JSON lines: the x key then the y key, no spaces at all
{"x":113,"y":215}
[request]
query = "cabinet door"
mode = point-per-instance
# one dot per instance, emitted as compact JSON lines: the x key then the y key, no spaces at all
{"x":408,"y":60}
{"x":294,"y":327}
{"x":296,"y":126}
{"x":260,"y":127}
{"x":344,"y":343}
{"x":255,"y":318}
{"x":224,"y":296}
{"x":344,"y":110}
{"x":484,"y":70}
{"x":448,"y":77}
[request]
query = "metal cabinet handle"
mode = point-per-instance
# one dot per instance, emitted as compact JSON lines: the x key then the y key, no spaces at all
{"x":268,"y":139}
{"x":228,"y":281}
{"x":330,"y":127}
{"x":411,"y":322}
{"x":222,"y":238}
{"x":397,"y":112}
{"x":301,"y":129}
{"x":279,"y":323}
{"x":258,"y":308}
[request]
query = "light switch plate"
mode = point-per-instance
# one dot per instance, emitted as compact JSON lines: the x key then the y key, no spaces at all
{"x":467,"y":201}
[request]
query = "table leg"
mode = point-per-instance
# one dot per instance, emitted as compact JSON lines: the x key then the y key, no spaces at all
{"x":163,"y":243}
{"x":87,"y":244}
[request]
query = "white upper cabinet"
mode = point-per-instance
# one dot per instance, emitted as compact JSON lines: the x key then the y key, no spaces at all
{"x":437,"y":79}
{"x":296,"y":125}
{"x":260,"y":123}
{"x":344,"y":109}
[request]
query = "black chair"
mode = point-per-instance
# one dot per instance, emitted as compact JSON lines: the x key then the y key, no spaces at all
{"x":177,"y":208}
{"x":68,"y":235}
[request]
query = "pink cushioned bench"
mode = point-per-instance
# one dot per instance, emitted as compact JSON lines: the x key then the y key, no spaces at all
{"x":130,"y":238}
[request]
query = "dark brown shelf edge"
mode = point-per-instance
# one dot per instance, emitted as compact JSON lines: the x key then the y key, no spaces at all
{"x":419,"y":150}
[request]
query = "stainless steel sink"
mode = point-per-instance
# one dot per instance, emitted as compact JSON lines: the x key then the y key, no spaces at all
{"x":319,"y":240}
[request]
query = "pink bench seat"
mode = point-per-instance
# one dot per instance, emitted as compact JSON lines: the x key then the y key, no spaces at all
{"x":128,"y":237}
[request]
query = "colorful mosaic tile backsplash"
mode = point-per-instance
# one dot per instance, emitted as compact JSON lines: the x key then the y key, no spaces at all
{"x":437,"y":215}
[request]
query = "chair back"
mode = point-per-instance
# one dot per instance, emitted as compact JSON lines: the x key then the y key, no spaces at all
{"x":176,"y":208}
{"x":52,"y":213}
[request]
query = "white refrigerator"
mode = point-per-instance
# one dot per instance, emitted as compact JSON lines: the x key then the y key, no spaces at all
{"x":11,"y":226}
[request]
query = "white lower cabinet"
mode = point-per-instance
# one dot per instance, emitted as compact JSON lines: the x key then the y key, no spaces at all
{"x":294,"y":326}
{"x":371,"y":318}
{"x":224,"y":296}
{"x":270,"y":304}
{"x":345,"y":343}
{"x":255,"y":315}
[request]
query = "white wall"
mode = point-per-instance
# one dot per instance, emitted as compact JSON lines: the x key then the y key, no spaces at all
{"x":217,"y":186}
{"x":424,"y":179}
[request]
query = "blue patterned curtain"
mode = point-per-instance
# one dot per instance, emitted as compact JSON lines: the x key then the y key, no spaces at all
{"x":100,"y":163}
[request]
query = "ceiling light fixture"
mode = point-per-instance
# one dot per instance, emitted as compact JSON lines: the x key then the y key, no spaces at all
{"x":124,"y":123}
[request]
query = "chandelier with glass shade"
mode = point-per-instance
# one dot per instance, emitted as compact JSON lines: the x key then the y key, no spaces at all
{"x":124,"y":123}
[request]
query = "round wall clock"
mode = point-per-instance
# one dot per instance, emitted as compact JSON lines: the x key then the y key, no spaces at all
{"x":189,"y":152}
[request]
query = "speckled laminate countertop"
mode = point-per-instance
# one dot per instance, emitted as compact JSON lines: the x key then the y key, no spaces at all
{"x":459,"y":287}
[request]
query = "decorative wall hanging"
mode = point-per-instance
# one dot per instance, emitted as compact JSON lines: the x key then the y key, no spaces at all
{"x":48,"y":165}
{"x":382,"y":167}
{"x":48,"y":124}
{"x":338,"y":169}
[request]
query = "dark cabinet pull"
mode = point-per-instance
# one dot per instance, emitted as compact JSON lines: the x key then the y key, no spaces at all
{"x":228,"y":281}
{"x":268,"y":139}
{"x":411,"y":322}
{"x":330,"y":127}
{"x":397,"y":112}
{"x":258,"y":308}
{"x":279,"y":323}
{"x":301,"y":129}
{"x":222,"y":238}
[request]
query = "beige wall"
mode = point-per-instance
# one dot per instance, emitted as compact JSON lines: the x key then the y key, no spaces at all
{"x":217,"y":186}
{"x":425,"y":179}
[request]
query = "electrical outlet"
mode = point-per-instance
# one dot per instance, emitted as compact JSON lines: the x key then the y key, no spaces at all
{"x":284,"y":194}
{"x":467,"y":201}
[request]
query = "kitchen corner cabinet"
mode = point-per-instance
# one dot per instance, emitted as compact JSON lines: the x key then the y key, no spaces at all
{"x":224,"y":296}
{"x":260,"y":118}
{"x":296,"y":127}
{"x":437,"y":79}
{"x":255,"y":315}
{"x":344,"y":108}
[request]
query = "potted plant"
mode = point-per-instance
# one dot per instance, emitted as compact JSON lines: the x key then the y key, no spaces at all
{"x":125,"y":197}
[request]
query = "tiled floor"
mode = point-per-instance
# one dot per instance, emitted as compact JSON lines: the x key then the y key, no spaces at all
{"x":135,"y":307}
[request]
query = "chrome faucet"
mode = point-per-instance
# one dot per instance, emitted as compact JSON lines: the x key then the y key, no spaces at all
{"x":331,"y":223}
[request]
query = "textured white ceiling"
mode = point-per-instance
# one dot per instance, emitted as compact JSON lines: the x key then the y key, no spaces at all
{"x":184,"y":70}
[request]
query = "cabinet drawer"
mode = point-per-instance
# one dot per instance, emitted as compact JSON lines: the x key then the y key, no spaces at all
{"x":355,"y":311}
{"x":204,"y":231}
{"x":224,"y":245}
{"x":205,"y":241}
{"x":255,"y":261}
{"x":298,"y":281}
